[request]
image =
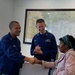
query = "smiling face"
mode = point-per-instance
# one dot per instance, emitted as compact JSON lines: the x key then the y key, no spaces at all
{"x":63,"y":47}
{"x":41,"y":27}
{"x":15,"y":30}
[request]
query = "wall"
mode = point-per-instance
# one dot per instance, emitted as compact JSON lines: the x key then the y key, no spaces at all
{"x":6,"y":15}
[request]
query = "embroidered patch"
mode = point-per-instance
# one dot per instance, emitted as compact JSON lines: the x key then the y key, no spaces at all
{"x":34,"y":40}
{"x":14,"y":46}
{"x":47,"y":40}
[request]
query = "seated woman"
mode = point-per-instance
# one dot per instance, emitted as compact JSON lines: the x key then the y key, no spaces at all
{"x":65,"y":65}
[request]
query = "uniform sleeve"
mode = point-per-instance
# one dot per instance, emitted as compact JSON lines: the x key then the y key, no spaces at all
{"x":69,"y":66}
{"x":32,"y":47}
{"x":11,"y":51}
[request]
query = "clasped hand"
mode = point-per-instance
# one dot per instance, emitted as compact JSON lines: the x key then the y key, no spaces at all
{"x":34,"y":61}
{"x":38,"y":50}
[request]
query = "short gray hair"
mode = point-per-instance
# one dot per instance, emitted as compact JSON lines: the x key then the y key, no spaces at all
{"x":12,"y":23}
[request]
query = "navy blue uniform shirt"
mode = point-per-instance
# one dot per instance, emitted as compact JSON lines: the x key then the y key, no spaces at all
{"x":11,"y":58}
{"x":48,"y":45}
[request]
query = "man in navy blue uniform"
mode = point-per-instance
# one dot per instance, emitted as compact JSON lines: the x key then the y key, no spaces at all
{"x":11,"y":58}
{"x":43,"y":45}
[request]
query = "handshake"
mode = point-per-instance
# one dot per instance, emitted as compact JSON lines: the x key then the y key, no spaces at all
{"x":33,"y":60}
{"x":45,"y":64}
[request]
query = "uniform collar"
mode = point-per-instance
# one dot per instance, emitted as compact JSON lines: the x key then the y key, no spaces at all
{"x":45,"y":34}
{"x":11,"y":38}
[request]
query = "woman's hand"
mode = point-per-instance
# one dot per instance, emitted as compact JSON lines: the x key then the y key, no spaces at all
{"x":38,"y":61}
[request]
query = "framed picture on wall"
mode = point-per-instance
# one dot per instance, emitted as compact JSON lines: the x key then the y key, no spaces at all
{"x":58,"y":21}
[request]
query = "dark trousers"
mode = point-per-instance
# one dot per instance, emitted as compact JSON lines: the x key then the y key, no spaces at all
{"x":50,"y":71}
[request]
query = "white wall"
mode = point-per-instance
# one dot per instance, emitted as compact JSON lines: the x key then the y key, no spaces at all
{"x":6,"y":15}
{"x":21,"y":5}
